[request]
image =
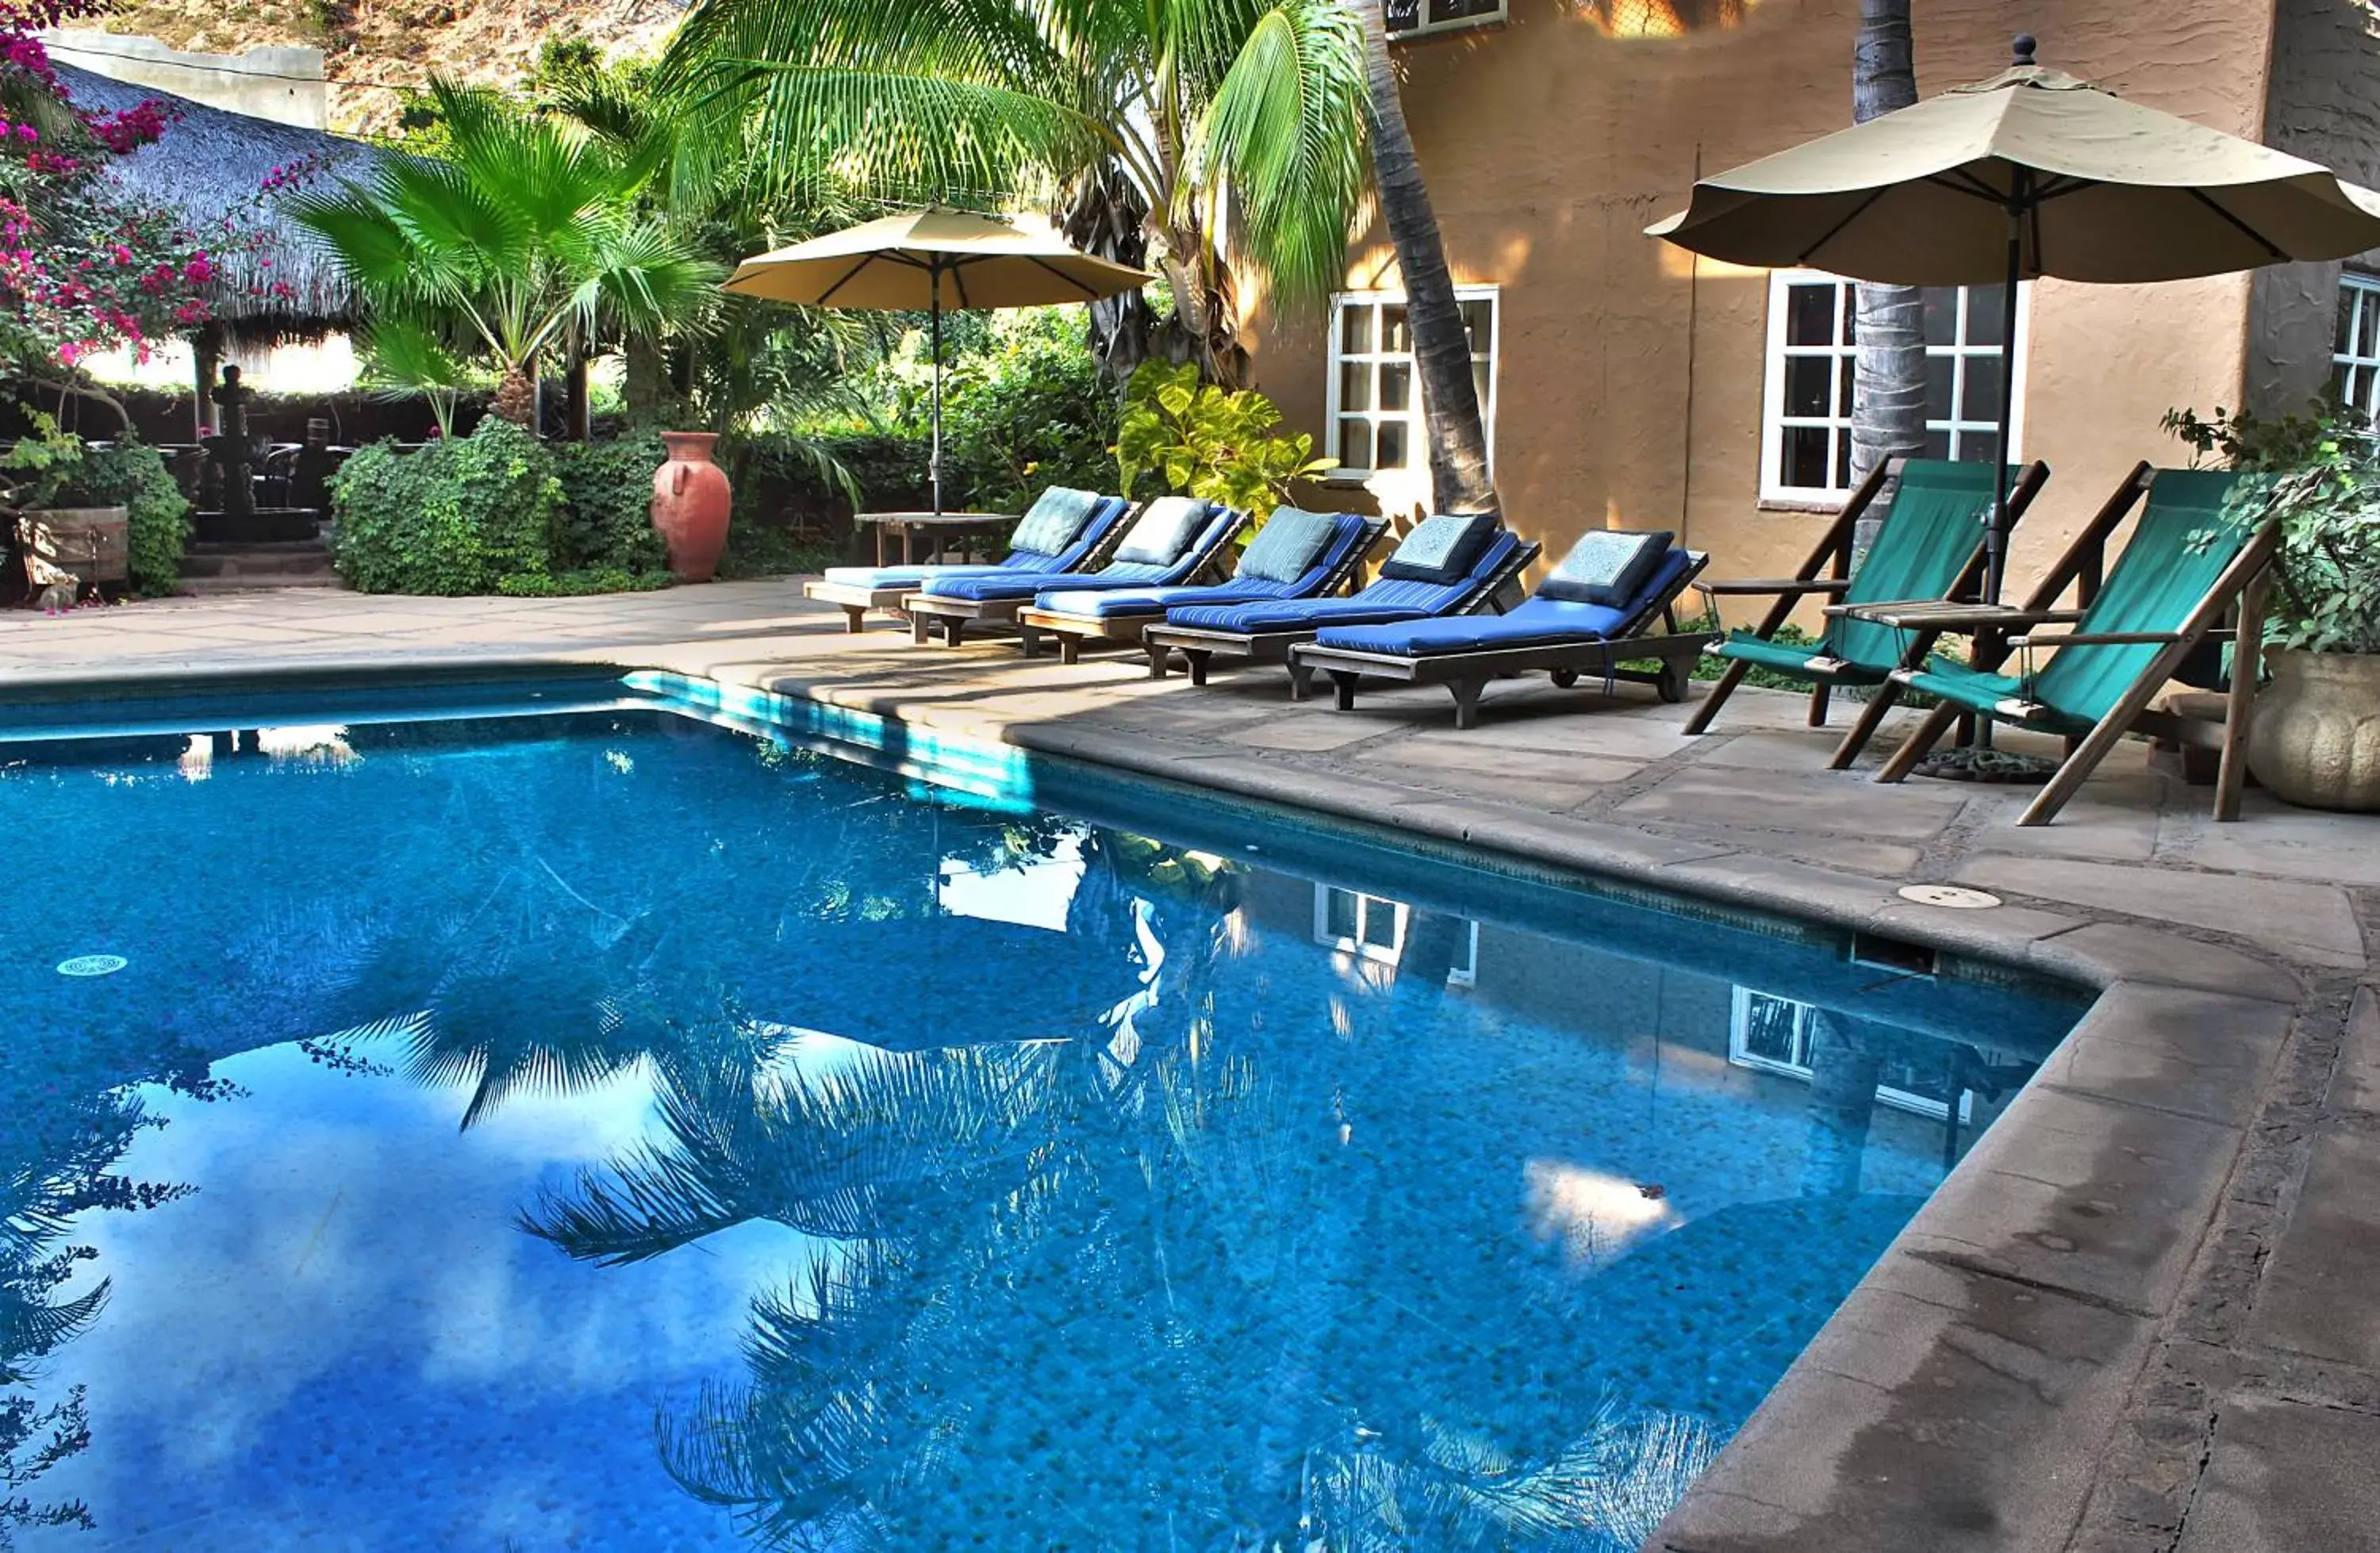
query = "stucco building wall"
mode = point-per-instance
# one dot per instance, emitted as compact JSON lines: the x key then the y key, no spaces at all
{"x":1629,"y":380}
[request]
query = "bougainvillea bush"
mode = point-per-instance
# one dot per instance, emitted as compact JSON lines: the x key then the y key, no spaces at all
{"x":84,"y":266}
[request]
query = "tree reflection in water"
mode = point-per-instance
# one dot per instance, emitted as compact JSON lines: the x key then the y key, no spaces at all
{"x":1167,"y":1284}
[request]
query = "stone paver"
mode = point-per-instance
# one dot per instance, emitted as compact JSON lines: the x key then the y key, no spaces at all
{"x":2138,"y":1318}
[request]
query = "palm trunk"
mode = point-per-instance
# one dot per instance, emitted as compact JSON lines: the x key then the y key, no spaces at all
{"x":1457,"y":437}
{"x":515,"y":398}
{"x":1889,"y":378}
{"x":1845,"y":1071}
{"x":644,"y":387}
{"x":580,"y":400}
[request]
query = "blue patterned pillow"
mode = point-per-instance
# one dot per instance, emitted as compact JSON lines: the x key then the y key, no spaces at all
{"x":1442,"y":548}
{"x":1165,"y":530}
{"x":1057,"y":520}
{"x":1293,"y":540}
{"x":1608,"y":567}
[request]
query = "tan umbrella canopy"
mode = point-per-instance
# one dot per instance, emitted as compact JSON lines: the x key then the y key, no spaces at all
{"x":2030,"y":174}
{"x":931,"y":260}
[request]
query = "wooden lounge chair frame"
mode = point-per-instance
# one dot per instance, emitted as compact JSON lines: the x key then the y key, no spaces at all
{"x":2238,"y":594}
{"x":1465,"y":674}
{"x":956,"y":614}
{"x":856,"y":601}
{"x":1828,"y":571}
{"x":1200,"y":648}
{"x":1076,"y":631}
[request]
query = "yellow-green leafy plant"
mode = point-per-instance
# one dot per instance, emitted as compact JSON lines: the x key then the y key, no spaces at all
{"x":1218,"y":444}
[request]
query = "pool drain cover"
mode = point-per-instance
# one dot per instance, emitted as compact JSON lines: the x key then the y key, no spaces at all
{"x":92,"y":964}
{"x":1948,"y":896}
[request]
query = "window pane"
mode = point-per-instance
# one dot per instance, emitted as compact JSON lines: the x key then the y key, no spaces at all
{"x":1479,"y":322}
{"x":2342,"y":383}
{"x":1356,"y":329}
{"x":1980,"y":400}
{"x":1356,"y":443}
{"x":1846,"y":386}
{"x":1394,"y":339}
{"x":1479,"y":381}
{"x":1392,"y":445}
{"x":1850,"y":299}
{"x":1979,"y":447}
{"x":2349,"y":297}
{"x":2367,"y":335}
{"x":1941,"y":315}
{"x":1396,"y":385}
{"x":1802,"y":460}
{"x":1379,"y":922}
{"x":1938,"y":386}
{"x":1810,"y":314}
{"x":1806,"y":384}
{"x":1340,"y":913}
{"x":1842,"y":460}
{"x":1356,"y":385}
{"x":1937,"y":444}
{"x":1768,"y":1029}
{"x":1985,"y":324}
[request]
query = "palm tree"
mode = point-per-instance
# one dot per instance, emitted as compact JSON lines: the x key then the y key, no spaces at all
{"x":524,"y":237}
{"x":1450,"y":394}
{"x":1173,"y":107}
{"x":1889,"y":380}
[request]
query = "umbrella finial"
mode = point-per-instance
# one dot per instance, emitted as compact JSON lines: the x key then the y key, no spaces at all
{"x":2025,"y":44}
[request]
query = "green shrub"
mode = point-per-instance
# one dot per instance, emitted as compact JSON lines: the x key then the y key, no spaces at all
{"x":1030,"y":411}
{"x":133,"y":476}
{"x":1221,"y":445}
{"x":756,"y":552}
{"x":592,"y":579}
{"x":460,"y":516}
{"x":606,"y":523}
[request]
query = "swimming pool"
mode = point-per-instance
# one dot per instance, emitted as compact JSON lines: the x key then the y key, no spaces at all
{"x":597,"y":1122}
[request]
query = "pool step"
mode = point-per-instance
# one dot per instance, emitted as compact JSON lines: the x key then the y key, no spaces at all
{"x":229,"y":568}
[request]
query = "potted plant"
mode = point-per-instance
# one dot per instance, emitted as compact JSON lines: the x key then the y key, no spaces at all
{"x":2315,"y":736}
{"x":66,"y":546}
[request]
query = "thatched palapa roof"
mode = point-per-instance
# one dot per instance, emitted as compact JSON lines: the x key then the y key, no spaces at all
{"x":211,"y":163}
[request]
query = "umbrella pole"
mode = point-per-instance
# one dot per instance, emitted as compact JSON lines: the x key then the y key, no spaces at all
{"x":934,"y":461}
{"x":1996,"y":542}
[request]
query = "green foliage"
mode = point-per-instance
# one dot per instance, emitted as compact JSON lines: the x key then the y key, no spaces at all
{"x":133,"y":476}
{"x":2325,"y":464}
{"x":1031,"y":410}
{"x":583,"y":581}
{"x":1713,"y":665}
{"x":458,"y":517}
{"x":55,"y":468}
{"x":606,"y":522}
{"x":757,"y":552}
{"x":1208,"y":442}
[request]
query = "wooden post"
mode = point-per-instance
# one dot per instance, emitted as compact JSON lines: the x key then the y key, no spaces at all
{"x":206,"y":352}
{"x":2247,"y":648}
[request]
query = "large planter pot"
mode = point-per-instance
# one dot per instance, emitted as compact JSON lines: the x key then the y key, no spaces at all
{"x":94,"y":543}
{"x":2315,"y":736}
{"x":691,"y":498}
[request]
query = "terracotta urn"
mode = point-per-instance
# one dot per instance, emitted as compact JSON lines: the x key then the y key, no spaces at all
{"x":2315,"y":739}
{"x":691,"y":498}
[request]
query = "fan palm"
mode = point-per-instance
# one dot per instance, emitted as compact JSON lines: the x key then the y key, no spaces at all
{"x":526,"y":234}
{"x":1174,"y":106}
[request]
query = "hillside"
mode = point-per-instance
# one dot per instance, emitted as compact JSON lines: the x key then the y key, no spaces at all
{"x":372,"y":47}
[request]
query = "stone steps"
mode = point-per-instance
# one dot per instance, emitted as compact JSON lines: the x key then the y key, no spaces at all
{"x":225,"y":568}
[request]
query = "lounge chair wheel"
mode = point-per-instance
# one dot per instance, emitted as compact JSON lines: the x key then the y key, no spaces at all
{"x":1673,"y":683}
{"x":1563,"y":678}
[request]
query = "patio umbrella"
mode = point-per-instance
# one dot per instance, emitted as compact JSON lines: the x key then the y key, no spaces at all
{"x":930,"y":259}
{"x":2030,"y":174}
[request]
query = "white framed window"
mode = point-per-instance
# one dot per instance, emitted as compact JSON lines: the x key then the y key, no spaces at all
{"x":1409,"y":18}
{"x":2356,"y":356}
{"x":1372,"y":928}
{"x":1805,"y":419}
{"x":1374,"y":398}
{"x":1772,"y":1034}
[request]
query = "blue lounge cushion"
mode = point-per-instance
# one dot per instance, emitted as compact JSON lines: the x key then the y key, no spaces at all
{"x":1540,"y":621}
{"x":906,"y":577}
{"x":1388,"y":598}
{"x":1165,"y":530}
{"x":1057,"y":517}
{"x":1607,"y":568}
{"x":1293,"y":540}
{"x":1442,"y":548}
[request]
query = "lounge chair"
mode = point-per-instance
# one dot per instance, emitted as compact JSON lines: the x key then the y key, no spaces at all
{"x":1594,"y":613}
{"x":1264,"y":632}
{"x":1173,"y":541}
{"x":1063,"y":531}
{"x":2203,"y":546}
{"x":1298,"y":555}
{"x":1928,"y":547}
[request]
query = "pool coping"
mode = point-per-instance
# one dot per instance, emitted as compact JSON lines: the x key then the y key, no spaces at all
{"x":2012,"y":1372}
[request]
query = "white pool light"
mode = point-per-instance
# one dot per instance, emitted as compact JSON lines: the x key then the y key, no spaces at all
{"x":92,"y":964}
{"x":1948,"y":896}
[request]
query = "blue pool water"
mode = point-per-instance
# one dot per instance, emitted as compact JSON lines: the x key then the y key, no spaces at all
{"x":607,"y":1130}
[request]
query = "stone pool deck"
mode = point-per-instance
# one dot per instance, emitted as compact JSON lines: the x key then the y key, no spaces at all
{"x":2141,"y":1316}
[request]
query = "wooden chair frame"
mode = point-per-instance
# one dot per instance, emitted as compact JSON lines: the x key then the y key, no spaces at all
{"x":956,"y":614}
{"x":1832,"y":556}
